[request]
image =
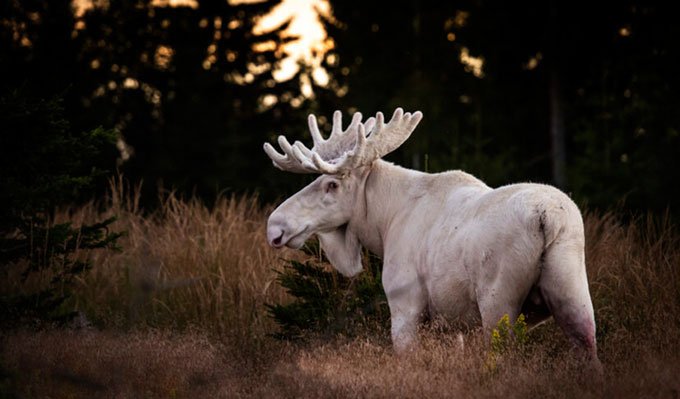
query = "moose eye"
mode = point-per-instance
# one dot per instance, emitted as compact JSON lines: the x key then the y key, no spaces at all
{"x":331,"y":186}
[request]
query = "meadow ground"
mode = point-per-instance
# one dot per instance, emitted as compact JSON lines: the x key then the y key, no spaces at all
{"x":179,"y":312}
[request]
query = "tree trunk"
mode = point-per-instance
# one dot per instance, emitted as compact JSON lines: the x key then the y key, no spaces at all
{"x":557,"y":134}
{"x":557,"y":131}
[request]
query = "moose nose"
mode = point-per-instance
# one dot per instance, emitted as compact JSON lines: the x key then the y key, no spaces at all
{"x":275,"y":236}
{"x":277,"y":241}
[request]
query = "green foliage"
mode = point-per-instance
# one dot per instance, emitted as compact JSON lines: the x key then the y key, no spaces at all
{"x":44,"y":165}
{"x":50,"y":254}
{"x":507,"y":338}
{"x":328,"y":303}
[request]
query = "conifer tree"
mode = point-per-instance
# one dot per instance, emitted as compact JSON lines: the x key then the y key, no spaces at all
{"x":44,"y":164}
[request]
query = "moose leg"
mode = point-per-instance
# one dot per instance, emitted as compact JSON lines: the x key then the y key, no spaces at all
{"x":564,"y":286}
{"x":407,"y":303}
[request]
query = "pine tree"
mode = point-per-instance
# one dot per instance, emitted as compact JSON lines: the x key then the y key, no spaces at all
{"x":327,"y":303}
{"x":44,"y":164}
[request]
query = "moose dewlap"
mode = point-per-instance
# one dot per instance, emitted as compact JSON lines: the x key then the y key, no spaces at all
{"x":450,"y":244}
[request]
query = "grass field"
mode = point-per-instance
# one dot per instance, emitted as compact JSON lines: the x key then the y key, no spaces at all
{"x":179,"y":312}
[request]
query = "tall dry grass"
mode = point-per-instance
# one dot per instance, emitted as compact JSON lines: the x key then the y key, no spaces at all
{"x":179,"y":313}
{"x":185,"y":265}
{"x":634,"y":274}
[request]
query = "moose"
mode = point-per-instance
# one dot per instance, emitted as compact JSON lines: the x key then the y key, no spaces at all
{"x":451,"y":245}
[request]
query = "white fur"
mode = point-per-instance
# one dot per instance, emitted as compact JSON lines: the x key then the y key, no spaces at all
{"x":451,"y":245}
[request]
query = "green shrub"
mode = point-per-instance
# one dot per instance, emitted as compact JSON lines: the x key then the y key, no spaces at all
{"x":327,"y":303}
{"x":43,"y":165}
{"x":508,"y":336}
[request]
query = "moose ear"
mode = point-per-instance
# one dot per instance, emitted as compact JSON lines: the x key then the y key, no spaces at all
{"x":343,"y":250}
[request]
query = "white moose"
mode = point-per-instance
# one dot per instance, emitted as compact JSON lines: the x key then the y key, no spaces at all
{"x":450,"y":244}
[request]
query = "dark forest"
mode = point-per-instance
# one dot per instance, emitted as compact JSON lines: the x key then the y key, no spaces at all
{"x":575,"y":94}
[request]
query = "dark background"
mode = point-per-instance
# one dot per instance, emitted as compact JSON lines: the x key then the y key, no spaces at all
{"x":583,"y":95}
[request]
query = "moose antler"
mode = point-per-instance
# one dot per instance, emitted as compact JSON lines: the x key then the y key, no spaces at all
{"x":360,"y":144}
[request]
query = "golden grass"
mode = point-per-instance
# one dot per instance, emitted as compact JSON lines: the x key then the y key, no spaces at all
{"x":634,"y":274}
{"x":185,"y":265}
{"x":66,"y":364}
{"x":179,"y":313}
{"x":90,"y":363}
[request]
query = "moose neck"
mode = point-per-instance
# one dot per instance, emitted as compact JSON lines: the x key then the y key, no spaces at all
{"x":388,"y":190}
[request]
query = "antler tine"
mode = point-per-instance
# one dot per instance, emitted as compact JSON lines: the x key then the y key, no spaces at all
{"x":274,"y":155}
{"x":355,"y":123}
{"x":369,"y":125}
{"x":293,"y":158}
{"x":317,"y":138}
{"x":388,"y":137}
{"x":337,"y":123}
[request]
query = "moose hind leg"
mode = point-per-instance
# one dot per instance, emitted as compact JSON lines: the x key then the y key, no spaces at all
{"x":564,"y":287}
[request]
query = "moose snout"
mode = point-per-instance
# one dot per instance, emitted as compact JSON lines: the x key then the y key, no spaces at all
{"x":276,"y":231}
{"x":281,"y":231}
{"x":275,"y":236}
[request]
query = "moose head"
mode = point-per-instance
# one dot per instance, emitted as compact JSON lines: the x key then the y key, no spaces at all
{"x":326,"y":206}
